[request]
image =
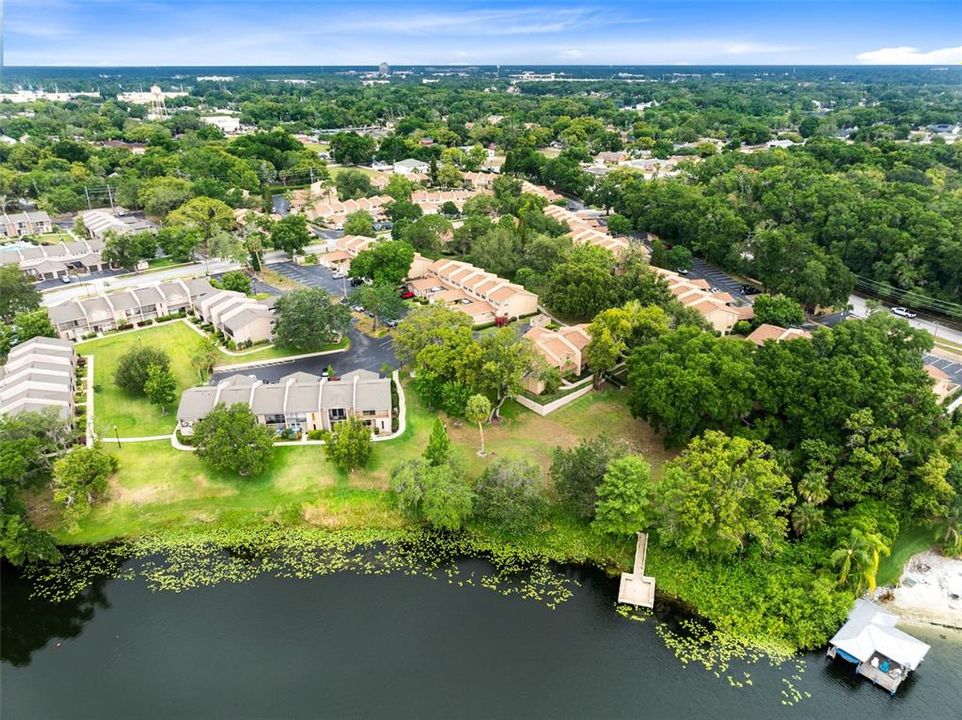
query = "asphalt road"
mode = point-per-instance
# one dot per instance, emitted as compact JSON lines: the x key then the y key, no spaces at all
{"x":257,"y":286}
{"x":365,"y":352}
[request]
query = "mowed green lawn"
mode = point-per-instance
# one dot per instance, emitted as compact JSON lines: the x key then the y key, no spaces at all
{"x":158,"y":487}
{"x":135,"y":416}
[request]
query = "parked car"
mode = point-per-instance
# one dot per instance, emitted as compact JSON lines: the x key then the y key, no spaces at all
{"x":357,"y":308}
{"x":407,"y":295}
{"x":682,"y":271}
{"x":391,"y":323}
{"x":714,"y":289}
{"x":355,"y":281}
{"x":66,"y":279}
{"x":749,"y":290}
{"x":904,"y":312}
{"x":339,"y":275}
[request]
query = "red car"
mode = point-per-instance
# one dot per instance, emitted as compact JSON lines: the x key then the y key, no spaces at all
{"x":407,"y":295}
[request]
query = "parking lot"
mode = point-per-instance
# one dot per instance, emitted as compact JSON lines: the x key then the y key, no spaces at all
{"x":949,"y":367}
{"x":58,"y":283}
{"x":313,"y":276}
{"x":718,"y":278}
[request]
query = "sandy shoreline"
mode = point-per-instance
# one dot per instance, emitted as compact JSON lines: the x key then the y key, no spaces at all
{"x":929,"y":591}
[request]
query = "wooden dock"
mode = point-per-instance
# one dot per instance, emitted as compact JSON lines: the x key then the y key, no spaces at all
{"x":636,"y":588}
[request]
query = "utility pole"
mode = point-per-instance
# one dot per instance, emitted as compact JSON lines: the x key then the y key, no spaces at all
{"x":87,"y":193}
{"x":110,"y":196}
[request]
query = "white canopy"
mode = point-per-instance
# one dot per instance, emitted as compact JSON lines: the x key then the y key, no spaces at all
{"x":870,"y":629}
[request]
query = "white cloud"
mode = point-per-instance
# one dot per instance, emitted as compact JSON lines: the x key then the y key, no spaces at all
{"x":572,"y":54}
{"x":519,"y":21}
{"x":904,"y":55}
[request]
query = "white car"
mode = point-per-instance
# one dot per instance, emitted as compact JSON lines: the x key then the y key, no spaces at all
{"x":66,"y":279}
{"x":904,"y":312}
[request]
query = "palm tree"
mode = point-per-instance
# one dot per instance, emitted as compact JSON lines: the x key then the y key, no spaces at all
{"x":813,"y":486}
{"x":952,"y":532}
{"x":806,"y":517}
{"x":477,"y":410}
{"x":858,"y":558}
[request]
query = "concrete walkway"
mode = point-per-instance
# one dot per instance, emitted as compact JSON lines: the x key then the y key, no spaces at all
{"x":90,"y":401}
{"x":145,"y":438}
{"x":232,"y":353}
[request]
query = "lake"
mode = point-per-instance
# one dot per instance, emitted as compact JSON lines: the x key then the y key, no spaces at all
{"x":348,"y":645}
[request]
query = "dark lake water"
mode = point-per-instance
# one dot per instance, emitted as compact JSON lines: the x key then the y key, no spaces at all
{"x":398,"y":646}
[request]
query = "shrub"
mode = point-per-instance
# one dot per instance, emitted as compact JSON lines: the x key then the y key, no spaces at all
{"x":437,"y":495}
{"x":510,"y":495}
{"x":578,"y":471}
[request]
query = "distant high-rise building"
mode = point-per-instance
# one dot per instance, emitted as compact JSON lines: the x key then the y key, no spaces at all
{"x":384,"y":68}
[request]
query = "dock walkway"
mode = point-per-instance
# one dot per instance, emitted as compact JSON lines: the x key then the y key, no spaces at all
{"x":636,"y":588}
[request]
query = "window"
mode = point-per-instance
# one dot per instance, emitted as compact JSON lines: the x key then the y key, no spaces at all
{"x":369,"y":412}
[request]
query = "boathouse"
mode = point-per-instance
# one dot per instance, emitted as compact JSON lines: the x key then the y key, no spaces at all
{"x":880,"y":651}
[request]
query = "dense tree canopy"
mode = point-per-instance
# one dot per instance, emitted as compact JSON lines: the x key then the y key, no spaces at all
{"x":722,"y":493}
{"x":308,"y":320}
{"x":230,"y":439}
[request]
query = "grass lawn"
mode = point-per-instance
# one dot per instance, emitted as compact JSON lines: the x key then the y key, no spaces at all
{"x":161,"y":263}
{"x":158,"y":487}
{"x":911,"y":540}
{"x":366,"y":170}
{"x":273,"y":352}
{"x":135,"y":416}
{"x":53,"y":238}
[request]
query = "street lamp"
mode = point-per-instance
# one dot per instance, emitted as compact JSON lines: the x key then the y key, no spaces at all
{"x":117,"y":435}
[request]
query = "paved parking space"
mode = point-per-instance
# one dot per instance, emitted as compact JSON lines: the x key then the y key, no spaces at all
{"x":58,"y":283}
{"x":949,"y":367}
{"x":718,"y":278}
{"x":313,"y":276}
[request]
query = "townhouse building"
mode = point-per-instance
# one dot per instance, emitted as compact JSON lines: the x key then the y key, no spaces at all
{"x":77,"y":318}
{"x":39,"y":375}
{"x":585,"y":232}
{"x":718,"y":308}
{"x":482,"y":295}
{"x":300,"y":401}
{"x":48,"y":262}
{"x":34,"y":222}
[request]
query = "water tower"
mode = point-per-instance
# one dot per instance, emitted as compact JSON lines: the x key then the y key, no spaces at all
{"x":156,"y":108}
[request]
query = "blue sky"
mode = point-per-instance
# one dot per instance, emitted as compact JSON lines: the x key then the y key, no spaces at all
{"x":359,"y":32}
